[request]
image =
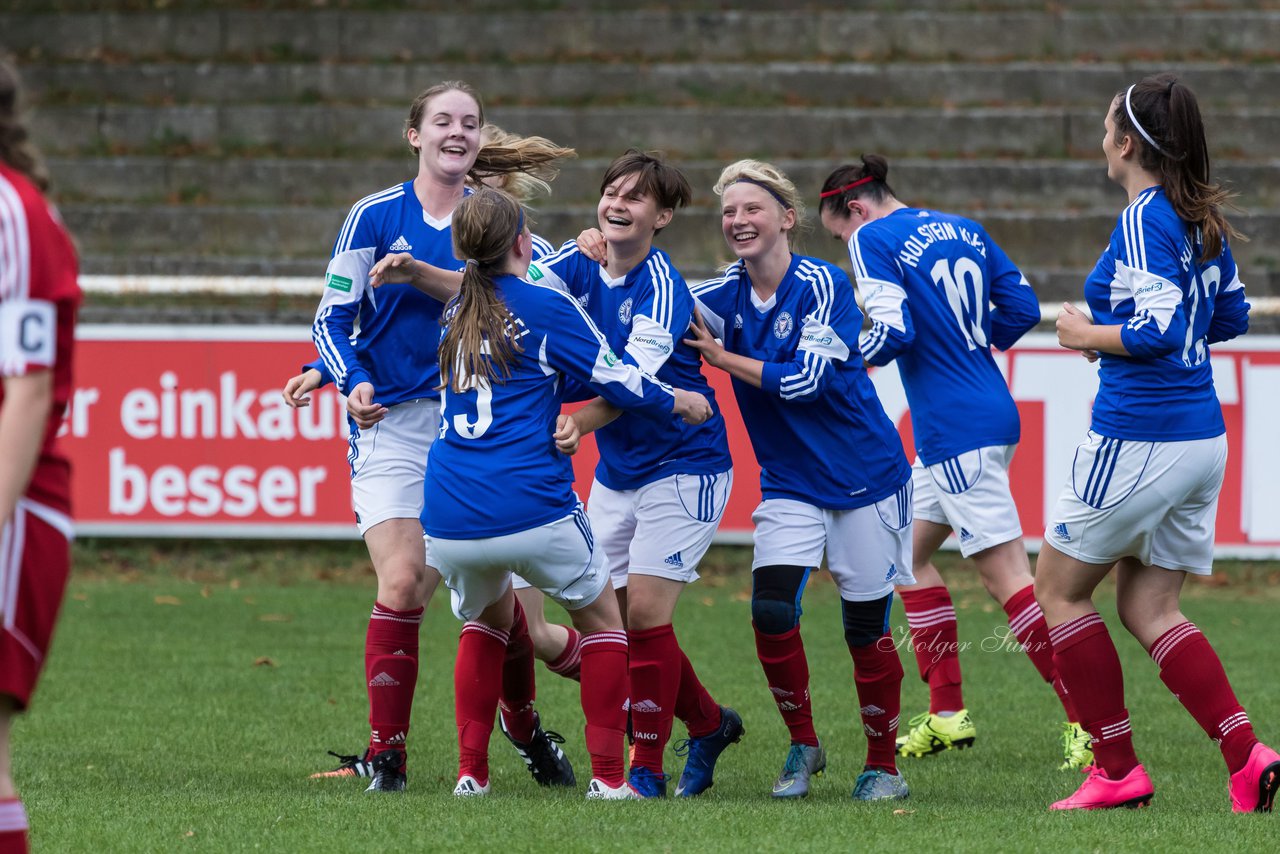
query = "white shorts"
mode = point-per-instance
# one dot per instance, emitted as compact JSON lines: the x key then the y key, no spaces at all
{"x":970,"y":493}
{"x":1155,"y":501}
{"x":663,"y":528}
{"x":868,"y":549}
{"x":559,"y":559}
{"x":389,"y":462}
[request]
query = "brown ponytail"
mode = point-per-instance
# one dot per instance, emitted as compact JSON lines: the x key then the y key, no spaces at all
{"x":477,"y":346}
{"x":16,"y":150}
{"x":1167,"y":111}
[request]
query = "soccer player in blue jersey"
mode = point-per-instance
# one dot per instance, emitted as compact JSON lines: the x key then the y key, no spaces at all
{"x":502,"y":493}
{"x":1143,"y":493}
{"x":833,"y":476}
{"x":388,"y":372}
{"x":940,"y":294}
{"x":660,"y":488}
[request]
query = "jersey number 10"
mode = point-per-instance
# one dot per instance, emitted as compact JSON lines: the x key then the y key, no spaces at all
{"x":962,"y":284}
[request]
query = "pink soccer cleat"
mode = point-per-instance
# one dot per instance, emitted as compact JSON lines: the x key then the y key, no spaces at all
{"x":1100,"y":792}
{"x":1253,"y":787}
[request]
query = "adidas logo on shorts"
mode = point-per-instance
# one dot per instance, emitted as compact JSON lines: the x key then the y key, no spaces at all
{"x":965,"y":536}
{"x":675,"y":560}
{"x":893,"y":570}
{"x":401,"y":245}
{"x":1060,"y":531}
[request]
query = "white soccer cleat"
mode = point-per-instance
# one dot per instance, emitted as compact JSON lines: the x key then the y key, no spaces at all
{"x":598,"y":790}
{"x":469,"y":787}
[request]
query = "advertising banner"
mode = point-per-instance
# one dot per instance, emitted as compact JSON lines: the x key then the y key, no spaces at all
{"x":178,"y":431}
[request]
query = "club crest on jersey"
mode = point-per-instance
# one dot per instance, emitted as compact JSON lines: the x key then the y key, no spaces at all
{"x":624,"y":312}
{"x":783,"y":325}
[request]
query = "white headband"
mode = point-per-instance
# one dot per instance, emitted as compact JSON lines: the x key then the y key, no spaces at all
{"x":1128,"y":108}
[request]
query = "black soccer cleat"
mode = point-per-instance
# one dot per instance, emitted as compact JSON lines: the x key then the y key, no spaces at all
{"x":388,"y":772}
{"x":547,"y":762}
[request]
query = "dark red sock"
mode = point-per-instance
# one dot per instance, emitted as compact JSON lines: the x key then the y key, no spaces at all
{"x":1026,"y":623}
{"x":569,"y":662}
{"x":655,"y":681}
{"x":518,"y":685}
{"x":1191,"y":670}
{"x":935,"y":641}
{"x":13,"y":827}
{"x":1088,"y":665}
{"x":604,"y":702}
{"x":787,"y":671}
{"x":877,"y":673}
{"x":477,"y":681}
{"x":694,"y":704}
{"x":391,"y":672}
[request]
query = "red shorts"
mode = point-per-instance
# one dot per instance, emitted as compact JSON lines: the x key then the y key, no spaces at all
{"x":35,"y":560}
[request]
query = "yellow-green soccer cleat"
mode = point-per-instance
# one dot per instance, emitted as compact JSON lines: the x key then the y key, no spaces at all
{"x":929,"y":733}
{"x":1076,"y":752}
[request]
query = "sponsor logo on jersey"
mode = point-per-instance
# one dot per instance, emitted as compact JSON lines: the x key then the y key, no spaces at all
{"x":893,"y":570}
{"x":810,"y":338}
{"x":675,"y":560}
{"x":383,"y":680}
{"x":401,"y":245}
{"x":338,"y":283}
{"x":535,"y":273}
{"x":583,"y":300}
{"x":1149,"y":289}
{"x":737,"y":321}
{"x":624,"y":312}
{"x":965,"y":536}
{"x":872,"y":710}
{"x":646,"y":706}
{"x":783,"y":325}
{"x":609,"y":358}
{"x":1060,"y":531}
{"x":649,"y":340}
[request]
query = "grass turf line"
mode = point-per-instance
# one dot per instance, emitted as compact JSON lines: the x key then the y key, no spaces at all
{"x":191,"y":690}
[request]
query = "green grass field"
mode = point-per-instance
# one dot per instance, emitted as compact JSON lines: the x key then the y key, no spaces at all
{"x":192,"y":689}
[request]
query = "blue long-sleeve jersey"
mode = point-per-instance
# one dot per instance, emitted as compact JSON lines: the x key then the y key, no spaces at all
{"x":940,"y":293}
{"x":399,"y":326}
{"x":644,"y":315}
{"x":494,"y":469}
{"x":817,"y":426}
{"x":1170,"y":307}
{"x":338,"y":318}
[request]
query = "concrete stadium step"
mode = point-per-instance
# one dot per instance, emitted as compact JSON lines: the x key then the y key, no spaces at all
{"x":514,"y":36}
{"x":970,"y":186}
{"x":685,"y":132}
{"x":715,"y":84}
{"x":1041,"y":239}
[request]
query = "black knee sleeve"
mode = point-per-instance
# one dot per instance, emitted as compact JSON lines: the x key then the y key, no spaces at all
{"x":775,"y":598}
{"x":866,"y":622}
